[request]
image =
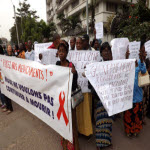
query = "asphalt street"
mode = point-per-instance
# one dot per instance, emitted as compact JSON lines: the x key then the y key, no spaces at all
{"x":21,"y":130}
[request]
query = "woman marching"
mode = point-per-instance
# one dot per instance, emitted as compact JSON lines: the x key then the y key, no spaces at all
{"x":62,"y":54}
{"x":133,"y":117}
{"x":103,"y":121}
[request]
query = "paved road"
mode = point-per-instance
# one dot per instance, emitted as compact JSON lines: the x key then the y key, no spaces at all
{"x":23,"y":131}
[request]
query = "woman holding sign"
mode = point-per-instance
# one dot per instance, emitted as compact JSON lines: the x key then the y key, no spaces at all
{"x":133,"y":117}
{"x":84,"y":110}
{"x":103,"y":121}
{"x":62,"y":53}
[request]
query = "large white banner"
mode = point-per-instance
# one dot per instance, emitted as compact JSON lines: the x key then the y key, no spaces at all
{"x":44,"y":90}
{"x":80,"y":59}
{"x":113,"y":81}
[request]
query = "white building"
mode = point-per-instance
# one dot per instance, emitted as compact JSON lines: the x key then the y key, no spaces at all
{"x":103,"y":10}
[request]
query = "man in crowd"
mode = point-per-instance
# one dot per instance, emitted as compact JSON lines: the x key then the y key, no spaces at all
{"x":45,"y":40}
{"x":79,"y":43}
{"x":56,"y":41}
{"x":86,"y":45}
{"x":30,"y":52}
{"x":72,"y":43}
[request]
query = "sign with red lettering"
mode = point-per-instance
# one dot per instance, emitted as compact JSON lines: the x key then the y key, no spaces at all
{"x":113,"y":82}
{"x":41,"y":90}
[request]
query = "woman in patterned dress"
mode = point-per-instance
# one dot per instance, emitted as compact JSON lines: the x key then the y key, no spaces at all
{"x":103,"y":121}
{"x":133,"y":118}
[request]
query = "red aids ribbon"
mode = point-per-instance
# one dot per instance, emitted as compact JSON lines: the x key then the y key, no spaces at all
{"x":61,"y":109}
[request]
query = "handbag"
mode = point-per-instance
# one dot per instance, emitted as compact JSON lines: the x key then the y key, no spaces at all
{"x":77,"y":97}
{"x":143,"y":79}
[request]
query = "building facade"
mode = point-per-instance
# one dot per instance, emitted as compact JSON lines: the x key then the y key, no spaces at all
{"x":103,"y":10}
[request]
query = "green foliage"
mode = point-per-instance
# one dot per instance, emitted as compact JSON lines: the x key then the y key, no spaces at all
{"x":29,"y":27}
{"x":69,"y":24}
{"x":13,"y":32}
{"x":134,"y":23}
{"x":1,"y":42}
{"x":24,"y":10}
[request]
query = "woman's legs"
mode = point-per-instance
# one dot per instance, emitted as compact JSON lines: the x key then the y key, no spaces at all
{"x":8,"y":103}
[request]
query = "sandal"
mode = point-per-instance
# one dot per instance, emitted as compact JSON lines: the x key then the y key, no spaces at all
{"x":4,"y":110}
{"x":135,"y":134}
{"x":8,"y":112}
{"x":3,"y":106}
{"x":129,"y":135}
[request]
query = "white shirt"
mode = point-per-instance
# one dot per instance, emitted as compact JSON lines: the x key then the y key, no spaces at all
{"x":30,"y":55}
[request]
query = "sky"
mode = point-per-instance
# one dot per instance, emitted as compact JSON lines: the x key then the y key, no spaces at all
{"x":7,"y":14}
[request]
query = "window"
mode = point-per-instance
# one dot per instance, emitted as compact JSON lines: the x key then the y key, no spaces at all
{"x":111,"y":7}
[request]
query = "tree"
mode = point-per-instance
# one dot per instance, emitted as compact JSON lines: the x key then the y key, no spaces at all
{"x":134,"y":23}
{"x":91,"y":8}
{"x":29,"y":27}
{"x":70,"y":24}
{"x":1,"y":42}
{"x":24,"y":10}
{"x":47,"y":29}
{"x":13,"y":31}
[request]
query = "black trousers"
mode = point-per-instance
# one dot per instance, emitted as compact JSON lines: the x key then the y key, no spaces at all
{"x":8,"y":103}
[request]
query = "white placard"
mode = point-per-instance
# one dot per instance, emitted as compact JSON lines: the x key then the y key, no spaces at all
{"x":113,"y":81}
{"x":80,"y":59}
{"x":147,"y":48}
{"x":119,"y":48}
{"x":49,"y":57}
{"x":43,"y":90}
{"x":134,"y":48}
{"x":99,"y":30}
{"x":39,"y":48}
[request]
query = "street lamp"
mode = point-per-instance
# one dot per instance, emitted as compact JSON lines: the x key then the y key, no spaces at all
{"x":87,"y":17}
{"x":16,"y":22}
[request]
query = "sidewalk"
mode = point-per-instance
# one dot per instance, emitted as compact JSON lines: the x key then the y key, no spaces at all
{"x":23,"y":131}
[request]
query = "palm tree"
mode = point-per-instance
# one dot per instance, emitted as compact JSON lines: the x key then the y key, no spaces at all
{"x":70,"y":24}
{"x":91,"y":8}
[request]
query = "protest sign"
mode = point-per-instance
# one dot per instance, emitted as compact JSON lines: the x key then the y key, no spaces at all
{"x":80,"y":59}
{"x":39,"y":48}
{"x":49,"y":57}
{"x":113,"y":81}
{"x":99,"y":30}
{"x":43,"y":90}
{"x":119,"y":48}
{"x":147,"y":48}
{"x":134,"y":48}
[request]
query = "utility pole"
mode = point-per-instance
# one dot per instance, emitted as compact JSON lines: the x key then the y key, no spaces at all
{"x":87,"y":17}
{"x":16,"y":25}
{"x":21,"y":17}
{"x":16,"y":22}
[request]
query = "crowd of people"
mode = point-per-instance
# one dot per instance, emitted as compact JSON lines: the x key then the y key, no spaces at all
{"x":83,"y":116}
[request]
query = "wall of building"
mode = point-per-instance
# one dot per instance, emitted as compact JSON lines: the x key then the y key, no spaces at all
{"x":103,"y":10}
